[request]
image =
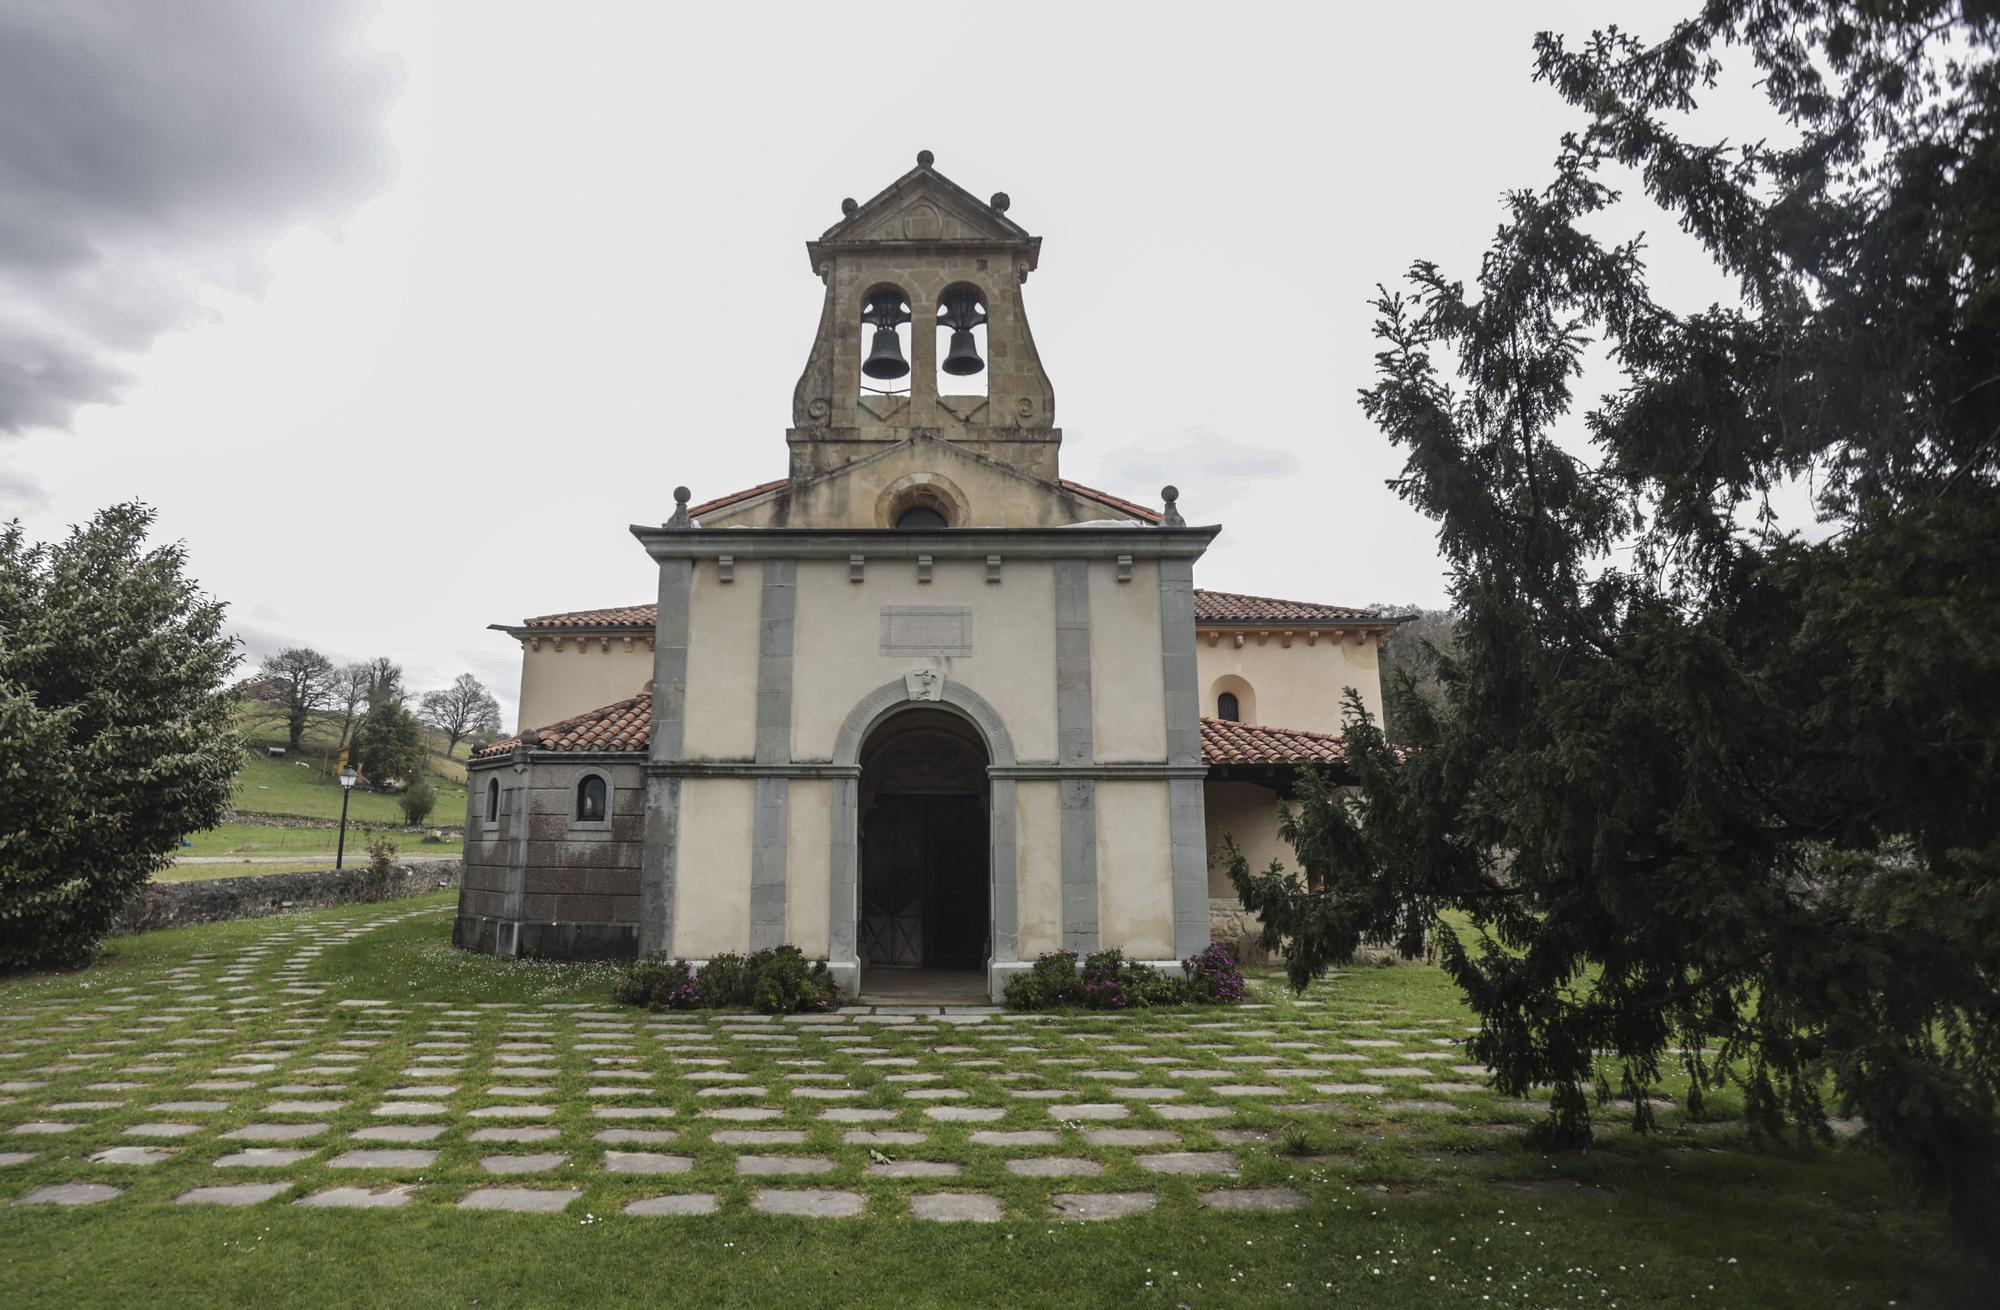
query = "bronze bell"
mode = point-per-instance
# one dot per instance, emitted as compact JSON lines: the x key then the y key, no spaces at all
{"x":885,"y":357}
{"x":963,"y":357}
{"x":961,"y":312}
{"x":885,"y":310}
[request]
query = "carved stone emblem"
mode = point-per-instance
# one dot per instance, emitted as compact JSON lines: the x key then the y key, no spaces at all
{"x":924,"y":684}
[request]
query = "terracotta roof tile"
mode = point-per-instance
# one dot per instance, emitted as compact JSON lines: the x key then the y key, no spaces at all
{"x":617,"y":616}
{"x":722,"y":502}
{"x":628,"y":726}
{"x":625,"y":726}
{"x":1209,"y":607}
{"x":1119,"y":503}
{"x":1230,"y":607}
{"x":1227,"y":742}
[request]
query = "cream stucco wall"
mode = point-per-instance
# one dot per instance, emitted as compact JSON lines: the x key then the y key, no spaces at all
{"x":838,"y":640}
{"x":722,"y":663}
{"x":1248,"y":813}
{"x":1127,"y":682}
{"x":809,"y":843}
{"x":1135,"y":884}
{"x":1296,"y":686}
{"x":562,"y":677}
{"x":712,"y":867}
{"x":1038,"y":865}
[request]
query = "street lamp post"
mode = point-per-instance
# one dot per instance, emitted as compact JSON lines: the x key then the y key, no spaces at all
{"x":347,"y":777}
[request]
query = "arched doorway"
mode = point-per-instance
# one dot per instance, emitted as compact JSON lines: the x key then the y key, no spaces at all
{"x":925,"y":904}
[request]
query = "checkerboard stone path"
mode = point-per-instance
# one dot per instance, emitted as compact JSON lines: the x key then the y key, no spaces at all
{"x":246,"y":1078}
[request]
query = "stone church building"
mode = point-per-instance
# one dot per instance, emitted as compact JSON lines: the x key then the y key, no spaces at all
{"x":922,"y":703}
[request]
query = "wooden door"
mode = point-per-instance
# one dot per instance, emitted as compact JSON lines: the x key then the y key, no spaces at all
{"x":924,"y":882}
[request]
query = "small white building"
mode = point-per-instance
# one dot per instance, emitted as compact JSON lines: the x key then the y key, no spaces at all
{"x":922,"y":703}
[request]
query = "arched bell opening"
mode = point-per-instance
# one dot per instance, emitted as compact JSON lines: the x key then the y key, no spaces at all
{"x":961,"y":341}
{"x":885,"y":342}
{"x":925,"y":903}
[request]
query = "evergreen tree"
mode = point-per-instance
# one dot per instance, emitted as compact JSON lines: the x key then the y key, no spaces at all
{"x":116,"y":732}
{"x":389,"y":744}
{"x":1699,"y":782}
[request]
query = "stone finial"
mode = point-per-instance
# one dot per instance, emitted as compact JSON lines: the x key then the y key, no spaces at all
{"x":1170,"y":517}
{"x":925,"y":158}
{"x":848,"y":206}
{"x":531,"y":739}
{"x":1000,"y":201}
{"x":680,"y":518}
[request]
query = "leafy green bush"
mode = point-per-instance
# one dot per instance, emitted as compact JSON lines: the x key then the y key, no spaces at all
{"x":1052,"y":982}
{"x":1106,"y":980}
{"x":417,"y":802}
{"x":381,"y":853}
{"x":721,"y":981}
{"x":115,"y":728}
{"x":658,"y":983}
{"x":780,"y":980}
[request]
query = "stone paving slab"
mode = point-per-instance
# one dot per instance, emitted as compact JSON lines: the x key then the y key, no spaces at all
{"x":71,"y":1194}
{"x":1265,"y":1199}
{"x":383,"y":1160}
{"x":956,"y":1207}
{"x":685,"y":1203}
{"x":135,"y":1155}
{"x":523,"y":1164}
{"x":521,"y":1200}
{"x":233,"y":1194}
{"x":1101,"y":1205}
{"x":810,"y":1203}
{"x":1054,"y":1166}
{"x":646,"y":1162}
{"x":261,"y":1158}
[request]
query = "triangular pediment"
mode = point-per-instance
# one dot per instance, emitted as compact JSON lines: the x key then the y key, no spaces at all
{"x":924,"y":205}
{"x":861,"y":494}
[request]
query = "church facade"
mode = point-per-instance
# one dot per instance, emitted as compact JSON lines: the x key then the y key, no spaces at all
{"x":922,"y":703}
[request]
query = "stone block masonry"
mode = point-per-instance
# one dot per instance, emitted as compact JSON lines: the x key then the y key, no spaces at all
{"x":213,"y":900}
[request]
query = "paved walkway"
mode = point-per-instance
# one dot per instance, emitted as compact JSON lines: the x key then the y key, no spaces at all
{"x":241,"y":1079}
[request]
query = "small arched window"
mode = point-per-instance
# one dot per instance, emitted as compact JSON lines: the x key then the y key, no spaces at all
{"x":590,"y":799}
{"x":1226,"y":708}
{"x":493,"y":800}
{"x":921,"y":516}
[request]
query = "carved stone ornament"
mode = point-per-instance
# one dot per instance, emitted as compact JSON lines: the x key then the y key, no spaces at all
{"x":924,"y":684}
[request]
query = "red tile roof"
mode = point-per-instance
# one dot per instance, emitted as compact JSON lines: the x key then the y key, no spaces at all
{"x":617,"y":616}
{"x":721,"y":502}
{"x":1209,"y":607}
{"x":1229,"y":607}
{"x":628,"y":726}
{"x":625,"y":726}
{"x":1118,"y":503}
{"x":1226,"y":742}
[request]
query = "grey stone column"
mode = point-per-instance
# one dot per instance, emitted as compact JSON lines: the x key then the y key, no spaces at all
{"x":843,"y":952}
{"x":1006,"y":911}
{"x":518,"y":798}
{"x":770,"y":830}
{"x":1075,"y":745}
{"x":660,"y":851}
{"x":1186,"y":819}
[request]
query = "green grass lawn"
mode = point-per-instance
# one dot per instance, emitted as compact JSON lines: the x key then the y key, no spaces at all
{"x":306,"y":787}
{"x":255,"y":845}
{"x":1404,"y":1204}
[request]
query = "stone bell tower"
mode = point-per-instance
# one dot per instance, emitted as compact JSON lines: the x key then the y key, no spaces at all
{"x":923,"y":263}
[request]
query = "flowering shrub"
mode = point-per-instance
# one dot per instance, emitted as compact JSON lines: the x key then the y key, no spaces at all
{"x":779,"y":980}
{"x":1212,"y":976}
{"x":1106,"y":980}
{"x":658,"y":983}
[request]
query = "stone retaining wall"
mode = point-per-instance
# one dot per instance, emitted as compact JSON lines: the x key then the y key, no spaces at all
{"x":173,"y":904}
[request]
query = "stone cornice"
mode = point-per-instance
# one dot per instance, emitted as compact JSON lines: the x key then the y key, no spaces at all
{"x":1138,"y":542}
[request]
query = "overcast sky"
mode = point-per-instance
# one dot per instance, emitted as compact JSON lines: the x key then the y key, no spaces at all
{"x":400,"y":314}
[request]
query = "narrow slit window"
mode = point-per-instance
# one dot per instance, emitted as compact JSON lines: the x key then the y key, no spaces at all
{"x":590,"y":799}
{"x":1226,"y":707}
{"x":493,"y":800}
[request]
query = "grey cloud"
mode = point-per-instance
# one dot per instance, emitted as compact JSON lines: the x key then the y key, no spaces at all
{"x":20,"y":492}
{"x":1211,"y":470}
{"x":148,"y":150}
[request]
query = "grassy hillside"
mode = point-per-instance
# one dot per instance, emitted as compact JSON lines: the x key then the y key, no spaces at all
{"x":303,"y":783}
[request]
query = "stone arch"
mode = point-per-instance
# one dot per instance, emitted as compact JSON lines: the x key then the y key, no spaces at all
{"x":843,"y":892}
{"x":886,"y":699}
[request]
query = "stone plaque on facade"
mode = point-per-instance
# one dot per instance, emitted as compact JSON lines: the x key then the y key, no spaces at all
{"x":927,"y":630}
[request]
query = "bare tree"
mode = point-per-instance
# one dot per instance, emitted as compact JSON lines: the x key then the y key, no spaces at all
{"x":300,"y":684}
{"x":350,"y":692}
{"x":461,"y":710}
{"x":385,"y":681}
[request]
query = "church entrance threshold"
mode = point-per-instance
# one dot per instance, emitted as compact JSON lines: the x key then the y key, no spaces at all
{"x":924,"y":987}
